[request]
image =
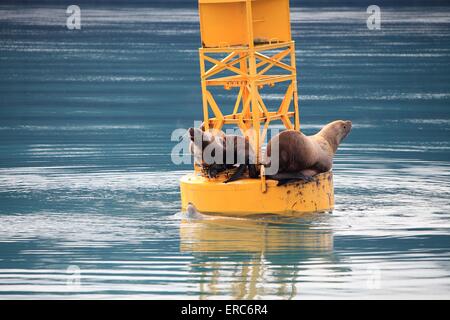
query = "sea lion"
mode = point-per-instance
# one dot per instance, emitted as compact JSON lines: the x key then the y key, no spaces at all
{"x":302,"y":157}
{"x":201,"y":140}
{"x":192,"y":213}
{"x":217,"y":152}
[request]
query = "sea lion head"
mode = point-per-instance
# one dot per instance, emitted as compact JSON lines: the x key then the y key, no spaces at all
{"x":335,"y":132}
{"x":203,"y":138}
{"x":200,"y":140}
{"x":192,"y":213}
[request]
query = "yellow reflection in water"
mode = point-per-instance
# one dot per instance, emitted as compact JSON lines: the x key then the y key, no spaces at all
{"x":250,"y":258}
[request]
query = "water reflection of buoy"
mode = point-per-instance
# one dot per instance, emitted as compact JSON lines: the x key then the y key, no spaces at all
{"x":236,"y":255}
{"x":220,"y":234}
{"x":247,"y":47}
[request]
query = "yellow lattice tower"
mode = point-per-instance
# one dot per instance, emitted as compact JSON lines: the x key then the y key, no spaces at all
{"x":253,"y":41}
{"x":247,"y":46}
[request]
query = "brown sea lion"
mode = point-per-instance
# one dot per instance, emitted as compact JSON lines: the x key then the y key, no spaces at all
{"x":200,"y":140}
{"x":302,"y":157}
{"x":218,"y":152}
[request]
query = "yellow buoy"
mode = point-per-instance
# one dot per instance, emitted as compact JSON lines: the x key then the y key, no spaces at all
{"x":247,"y":48}
{"x":245,"y":197}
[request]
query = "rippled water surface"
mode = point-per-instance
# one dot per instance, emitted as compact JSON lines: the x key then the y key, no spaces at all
{"x":89,"y":197}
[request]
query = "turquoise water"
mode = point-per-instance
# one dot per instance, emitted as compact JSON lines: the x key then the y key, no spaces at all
{"x":89,"y":198}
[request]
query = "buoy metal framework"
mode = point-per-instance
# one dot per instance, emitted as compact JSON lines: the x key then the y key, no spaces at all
{"x":246,"y":47}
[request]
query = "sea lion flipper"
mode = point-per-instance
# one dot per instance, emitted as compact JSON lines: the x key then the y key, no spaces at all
{"x":305,"y":178}
{"x":252,"y":171}
{"x":240,"y":171}
{"x":282,"y":176}
{"x":283,"y":182}
{"x":214,"y":169}
{"x":286,"y":178}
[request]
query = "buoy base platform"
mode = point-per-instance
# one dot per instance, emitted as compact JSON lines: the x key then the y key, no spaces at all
{"x":247,"y":197}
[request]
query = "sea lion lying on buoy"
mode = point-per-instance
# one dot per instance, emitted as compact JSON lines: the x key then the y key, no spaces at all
{"x":302,"y":157}
{"x":217,"y":152}
{"x":200,"y":140}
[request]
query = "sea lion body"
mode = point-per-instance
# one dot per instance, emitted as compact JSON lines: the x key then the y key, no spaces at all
{"x":301,"y":155}
{"x":222,"y":152}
